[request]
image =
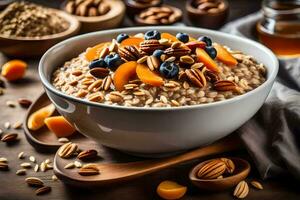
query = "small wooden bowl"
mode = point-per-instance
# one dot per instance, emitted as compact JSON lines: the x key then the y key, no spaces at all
{"x":242,"y":169}
{"x":31,"y":46}
{"x":133,"y":8}
{"x":207,"y":20}
{"x":143,"y":22}
{"x":110,"y":20}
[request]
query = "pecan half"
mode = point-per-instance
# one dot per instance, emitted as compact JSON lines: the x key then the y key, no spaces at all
{"x":225,"y":85}
{"x":99,"y":72}
{"x":211,"y":76}
{"x":149,"y":46}
{"x":196,"y":76}
{"x":129,"y":53}
{"x":177,"y":52}
{"x":212,"y":169}
{"x":88,"y":154}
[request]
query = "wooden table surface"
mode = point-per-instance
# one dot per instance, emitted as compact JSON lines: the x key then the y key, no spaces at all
{"x":13,"y":187}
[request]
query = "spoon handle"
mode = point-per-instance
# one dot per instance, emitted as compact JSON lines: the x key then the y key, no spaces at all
{"x":225,"y":145}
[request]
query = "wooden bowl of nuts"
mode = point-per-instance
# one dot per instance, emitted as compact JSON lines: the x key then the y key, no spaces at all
{"x":134,"y":7}
{"x":162,"y":15}
{"x":38,"y":29}
{"x":220,"y":173}
{"x":96,"y":15}
{"x":207,"y":13}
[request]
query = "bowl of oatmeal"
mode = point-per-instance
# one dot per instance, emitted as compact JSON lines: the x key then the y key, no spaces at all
{"x":157,"y":90}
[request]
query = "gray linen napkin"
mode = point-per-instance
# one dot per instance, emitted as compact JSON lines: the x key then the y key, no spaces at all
{"x":272,"y":136}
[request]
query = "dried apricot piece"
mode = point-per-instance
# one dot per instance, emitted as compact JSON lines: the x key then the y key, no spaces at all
{"x":147,"y":76}
{"x":59,"y":126}
{"x":123,"y":74}
{"x":132,"y":41}
{"x":14,"y":70}
{"x":94,"y":52}
{"x":207,"y":60}
{"x":36,"y":119}
{"x":170,"y":190}
{"x":169,"y":37}
{"x":224,"y":56}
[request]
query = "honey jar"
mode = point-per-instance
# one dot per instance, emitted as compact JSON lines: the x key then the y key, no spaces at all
{"x":279,"y":29}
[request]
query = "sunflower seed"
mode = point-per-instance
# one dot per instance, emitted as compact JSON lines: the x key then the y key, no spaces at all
{"x":21,"y":155}
{"x":77,"y":164}
{"x":36,"y":168}
{"x":7,"y":125}
{"x":63,"y":140}
{"x":54,"y":178}
{"x":21,"y":172}
{"x":69,"y":166}
{"x":43,"y":166}
{"x":25,"y":165}
{"x":32,"y":159}
{"x":3,"y":159}
{"x":34,"y":181}
{"x":17,"y":125}
{"x":43,"y":190}
{"x":11,"y":104}
{"x":47,"y":161}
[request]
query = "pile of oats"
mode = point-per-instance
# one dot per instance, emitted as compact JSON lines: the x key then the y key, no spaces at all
{"x":194,"y":85}
{"x":25,"y":19}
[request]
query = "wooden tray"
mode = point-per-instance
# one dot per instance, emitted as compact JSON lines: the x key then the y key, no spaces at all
{"x":45,"y":141}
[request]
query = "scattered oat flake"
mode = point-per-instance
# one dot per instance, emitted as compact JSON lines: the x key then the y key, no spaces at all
{"x":54,"y":178}
{"x":17,"y":125}
{"x":36,"y":168}
{"x":21,"y":155}
{"x":3,"y":159}
{"x":32,"y":159}
{"x":11,"y":104}
{"x":7,"y":125}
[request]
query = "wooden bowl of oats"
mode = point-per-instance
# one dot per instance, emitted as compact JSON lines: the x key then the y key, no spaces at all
{"x":33,"y":30}
{"x":96,"y":15}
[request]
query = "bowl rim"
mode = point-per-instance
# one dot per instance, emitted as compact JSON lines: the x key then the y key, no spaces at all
{"x":48,"y":86}
{"x":73,"y":28}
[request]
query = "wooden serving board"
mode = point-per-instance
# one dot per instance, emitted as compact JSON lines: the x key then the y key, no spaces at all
{"x":44,"y":140}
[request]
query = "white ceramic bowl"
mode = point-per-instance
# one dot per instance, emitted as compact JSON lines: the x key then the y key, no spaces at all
{"x":156,"y":131}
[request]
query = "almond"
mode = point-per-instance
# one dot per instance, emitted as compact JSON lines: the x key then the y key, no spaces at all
{"x":34,"y":181}
{"x":11,"y":137}
{"x":43,"y":190}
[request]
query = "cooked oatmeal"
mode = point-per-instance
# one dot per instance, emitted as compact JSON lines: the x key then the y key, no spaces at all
{"x":182,"y":75}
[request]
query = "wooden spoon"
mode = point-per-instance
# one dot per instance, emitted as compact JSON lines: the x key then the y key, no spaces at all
{"x":242,"y":169}
{"x":116,"y":172}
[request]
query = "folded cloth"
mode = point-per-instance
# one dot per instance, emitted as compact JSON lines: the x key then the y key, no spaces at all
{"x":272,"y":136}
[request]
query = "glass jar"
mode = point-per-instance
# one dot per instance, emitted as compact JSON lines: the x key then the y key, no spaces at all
{"x":279,"y":29}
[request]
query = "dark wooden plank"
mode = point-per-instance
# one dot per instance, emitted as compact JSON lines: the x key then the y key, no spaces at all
{"x":13,"y":187}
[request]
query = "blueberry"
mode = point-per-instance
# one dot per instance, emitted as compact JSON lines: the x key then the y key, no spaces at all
{"x":169,"y":69}
{"x":157,"y":53}
{"x":183,"y":37}
{"x":152,"y":35}
{"x":113,"y":61}
{"x":97,"y":63}
{"x":121,"y":37}
{"x":205,"y":39}
{"x":211,"y":51}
